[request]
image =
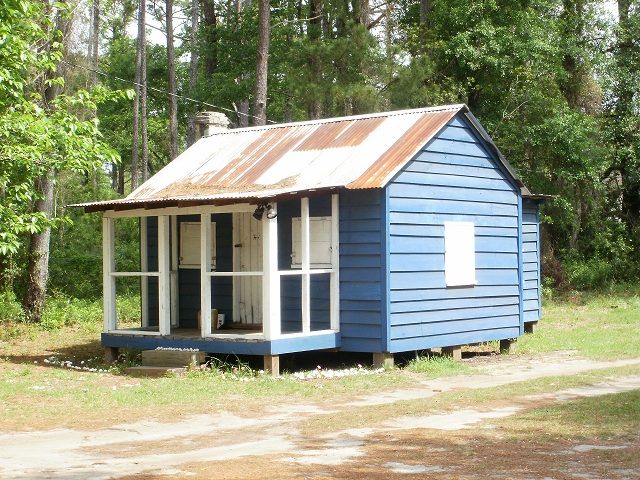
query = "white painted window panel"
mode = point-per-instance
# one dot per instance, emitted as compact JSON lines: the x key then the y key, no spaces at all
{"x":190,"y":245}
{"x":319,"y":242}
{"x":459,"y":254}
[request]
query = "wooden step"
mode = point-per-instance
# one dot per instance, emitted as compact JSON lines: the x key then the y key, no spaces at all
{"x":154,"y":372}
{"x":171,"y":358}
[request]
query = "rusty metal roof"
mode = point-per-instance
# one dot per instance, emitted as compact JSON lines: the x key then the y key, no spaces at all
{"x":258,"y":163}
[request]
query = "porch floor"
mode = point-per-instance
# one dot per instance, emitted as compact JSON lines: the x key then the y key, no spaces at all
{"x":241,"y":341}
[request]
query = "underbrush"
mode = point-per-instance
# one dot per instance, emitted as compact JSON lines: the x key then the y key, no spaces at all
{"x":62,"y":311}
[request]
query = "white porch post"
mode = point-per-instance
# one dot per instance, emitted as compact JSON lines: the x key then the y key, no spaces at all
{"x":164,"y":280}
{"x":205,"y":278}
{"x":270,"y":278}
{"x":174,"y":272}
{"x":334,"y":308}
{"x":108,"y":280}
{"x":306,"y":265}
{"x":144,"y":267}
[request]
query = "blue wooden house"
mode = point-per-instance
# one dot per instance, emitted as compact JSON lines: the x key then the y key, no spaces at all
{"x":378,"y":233}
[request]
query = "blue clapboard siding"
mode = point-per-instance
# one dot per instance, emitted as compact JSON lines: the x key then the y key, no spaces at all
{"x":454,"y":178}
{"x":531,"y":257}
{"x":189,"y":279}
{"x":290,"y":286}
{"x":362,"y":271}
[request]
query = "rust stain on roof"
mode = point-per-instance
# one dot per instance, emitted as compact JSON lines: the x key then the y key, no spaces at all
{"x":353,"y":152}
{"x":340,"y":134}
{"x":403,"y":149}
{"x":251,"y":152}
{"x":196,"y":188}
{"x":271,"y":157}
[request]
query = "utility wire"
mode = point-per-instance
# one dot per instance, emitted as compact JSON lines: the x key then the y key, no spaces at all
{"x":159,"y":90}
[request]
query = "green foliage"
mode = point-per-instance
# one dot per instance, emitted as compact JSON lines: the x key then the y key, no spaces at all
{"x":62,"y":311}
{"x":10,"y":310}
{"x":554,"y":82}
{"x":39,"y":137}
{"x":65,"y":311}
{"x":77,"y":245}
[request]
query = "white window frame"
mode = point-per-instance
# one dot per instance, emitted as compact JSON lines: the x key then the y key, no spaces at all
{"x":459,"y":254}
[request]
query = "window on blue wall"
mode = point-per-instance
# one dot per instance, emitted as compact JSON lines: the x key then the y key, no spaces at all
{"x":459,"y":254}
{"x":319,"y":242}
{"x":189,"y":253}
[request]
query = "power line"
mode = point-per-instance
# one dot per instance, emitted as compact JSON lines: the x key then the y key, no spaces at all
{"x":159,"y":90}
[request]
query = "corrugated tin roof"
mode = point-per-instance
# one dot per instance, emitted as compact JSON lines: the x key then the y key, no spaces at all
{"x":256,"y":163}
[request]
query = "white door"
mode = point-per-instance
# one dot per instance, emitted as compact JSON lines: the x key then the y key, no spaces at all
{"x":247,"y":257}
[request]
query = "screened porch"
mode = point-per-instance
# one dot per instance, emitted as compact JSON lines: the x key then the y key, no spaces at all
{"x":235,"y":273}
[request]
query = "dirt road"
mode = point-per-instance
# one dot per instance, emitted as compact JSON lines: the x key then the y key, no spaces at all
{"x":459,"y":441}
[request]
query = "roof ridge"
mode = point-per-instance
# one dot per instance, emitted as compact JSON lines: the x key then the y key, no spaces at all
{"x":320,"y":121}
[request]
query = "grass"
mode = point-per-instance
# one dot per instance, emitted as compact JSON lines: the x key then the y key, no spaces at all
{"x":480,"y":398}
{"x":601,"y":326}
{"x":601,"y":418}
{"x":438,"y":366}
{"x":32,"y":393}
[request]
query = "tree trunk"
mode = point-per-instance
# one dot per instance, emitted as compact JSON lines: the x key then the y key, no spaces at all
{"x":211,"y":37}
{"x":314,"y":32}
{"x":627,"y":53}
{"x":425,"y":12}
{"x":243,"y":113}
{"x":173,"y":100}
{"x":95,"y":41}
{"x":38,"y":254}
{"x":260,"y":101}
{"x":38,"y":258}
{"x":193,"y":70}
{"x":140,"y":61}
{"x":121,"y":174}
{"x":143,"y":110}
{"x":361,"y":12}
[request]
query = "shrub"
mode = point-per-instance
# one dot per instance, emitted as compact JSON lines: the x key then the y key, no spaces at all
{"x":10,"y":309}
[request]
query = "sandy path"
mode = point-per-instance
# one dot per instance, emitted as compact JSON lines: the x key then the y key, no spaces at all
{"x":124,"y":449}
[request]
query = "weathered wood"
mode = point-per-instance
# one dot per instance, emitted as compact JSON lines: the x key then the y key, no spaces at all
{"x":171,"y":358}
{"x":271,"y":278}
{"x":111,"y":354}
{"x":155,"y":372}
{"x":382,"y":360}
{"x":272,"y":365}
{"x":530,"y":327}
{"x":505,"y":345}
{"x":306,"y":264}
{"x":164,"y":276}
{"x":144,"y":267}
{"x":334,"y":296}
{"x":205,"y":268}
{"x":108,"y":281}
{"x":454,"y":351}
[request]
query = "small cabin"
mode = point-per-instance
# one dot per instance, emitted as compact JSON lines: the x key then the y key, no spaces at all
{"x":379,"y":233}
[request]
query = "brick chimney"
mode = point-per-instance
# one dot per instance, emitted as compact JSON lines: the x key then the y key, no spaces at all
{"x":207,"y":123}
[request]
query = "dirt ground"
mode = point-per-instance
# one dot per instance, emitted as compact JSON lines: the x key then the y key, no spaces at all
{"x":304,"y":440}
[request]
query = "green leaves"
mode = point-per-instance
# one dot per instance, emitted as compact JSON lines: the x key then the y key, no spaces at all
{"x":35,"y":140}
